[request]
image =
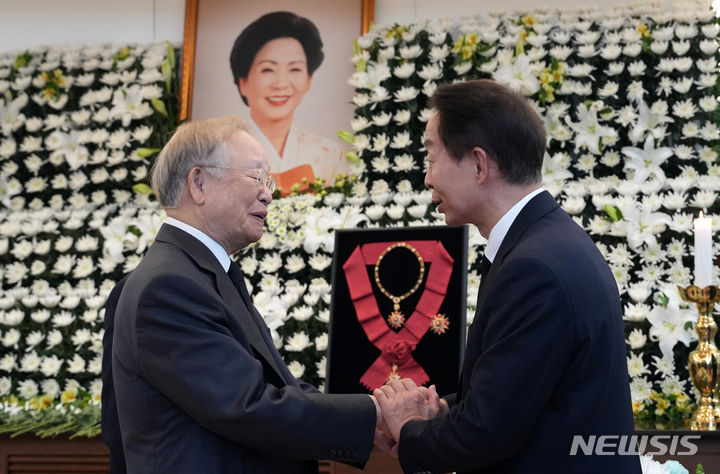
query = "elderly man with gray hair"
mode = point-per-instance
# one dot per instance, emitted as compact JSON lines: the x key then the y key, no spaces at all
{"x":200,"y":386}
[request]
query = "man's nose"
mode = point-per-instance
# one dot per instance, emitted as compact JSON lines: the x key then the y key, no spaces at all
{"x":428,"y":183}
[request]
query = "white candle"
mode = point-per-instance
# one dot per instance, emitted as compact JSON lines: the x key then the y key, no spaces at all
{"x":703,"y":251}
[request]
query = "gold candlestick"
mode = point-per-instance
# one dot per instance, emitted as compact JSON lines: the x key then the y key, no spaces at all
{"x":704,"y":361}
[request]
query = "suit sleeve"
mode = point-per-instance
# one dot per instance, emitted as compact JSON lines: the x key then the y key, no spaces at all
{"x":526,"y":346}
{"x":186,"y":350}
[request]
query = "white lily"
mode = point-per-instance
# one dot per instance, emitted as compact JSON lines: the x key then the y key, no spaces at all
{"x":668,"y":323}
{"x":519,"y":74}
{"x":641,"y":224}
{"x":648,"y":161}
{"x":70,"y":146}
{"x":10,"y":117}
{"x":588,"y":130}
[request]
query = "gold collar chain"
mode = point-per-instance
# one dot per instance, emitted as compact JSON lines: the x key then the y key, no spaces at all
{"x":396,"y":318}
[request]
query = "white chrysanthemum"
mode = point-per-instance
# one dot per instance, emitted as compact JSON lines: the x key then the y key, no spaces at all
{"x":636,"y":312}
{"x":462,"y":68}
{"x":298,"y":342}
{"x":76,"y":365}
{"x":405,"y":94}
{"x":404,"y":71}
{"x":302,"y":313}
{"x":27,"y":389}
{"x":636,"y":339}
{"x":380,"y":164}
{"x":296,"y":369}
{"x":8,"y":362}
{"x":401,"y":140}
{"x":319,"y":262}
{"x":81,"y":337}
{"x":15,"y":272}
{"x":636,"y":366}
{"x":5,"y":386}
{"x":62,"y":319}
{"x":51,"y":365}
{"x":30,"y":362}
{"x":683,"y":64}
{"x":271,"y":263}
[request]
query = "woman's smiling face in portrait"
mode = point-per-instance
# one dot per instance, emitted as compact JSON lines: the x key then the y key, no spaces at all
{"x":277,"y":80}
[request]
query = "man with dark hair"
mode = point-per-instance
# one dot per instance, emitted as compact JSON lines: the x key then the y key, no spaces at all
{"x":545,"y":355}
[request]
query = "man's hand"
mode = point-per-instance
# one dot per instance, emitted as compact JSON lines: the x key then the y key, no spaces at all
{"x":402,"y":401}
{"x":383,"y":439}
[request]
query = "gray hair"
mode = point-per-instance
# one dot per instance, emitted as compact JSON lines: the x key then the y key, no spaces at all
{"x":198,"y":143}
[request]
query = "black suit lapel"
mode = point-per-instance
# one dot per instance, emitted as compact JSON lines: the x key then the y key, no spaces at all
{"x":536,"y":208}
{"x":242,"y":312}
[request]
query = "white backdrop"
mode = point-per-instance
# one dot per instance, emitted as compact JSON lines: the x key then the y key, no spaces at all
{"x":28,"y":23}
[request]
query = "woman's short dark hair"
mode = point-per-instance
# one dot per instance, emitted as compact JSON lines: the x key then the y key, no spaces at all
{"x":491,"y":116}
{"x":273,"y":26}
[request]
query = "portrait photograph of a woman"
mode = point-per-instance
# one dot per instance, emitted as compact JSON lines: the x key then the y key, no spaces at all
{"x":273,"y":61}
{"x":276,"y":64}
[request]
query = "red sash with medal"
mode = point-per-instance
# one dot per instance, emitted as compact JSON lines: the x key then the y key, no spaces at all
{"x":396,"y":347}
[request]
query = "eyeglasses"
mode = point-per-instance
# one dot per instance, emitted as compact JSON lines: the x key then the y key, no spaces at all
{"x":258,"y":174}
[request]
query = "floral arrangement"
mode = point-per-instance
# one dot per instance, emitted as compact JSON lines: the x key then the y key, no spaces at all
{"x":629,"y":102}
{"x":79,"y":127}
{"x":628,"y":97}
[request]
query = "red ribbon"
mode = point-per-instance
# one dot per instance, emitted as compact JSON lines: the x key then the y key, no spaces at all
{"x":396,"y":347}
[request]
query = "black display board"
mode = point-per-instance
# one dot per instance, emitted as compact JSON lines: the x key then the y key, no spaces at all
{"x":350,"y":351}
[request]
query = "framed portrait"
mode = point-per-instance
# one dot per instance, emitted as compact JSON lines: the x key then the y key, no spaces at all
{"x":397,"y":308}
{"x":296,"y":120}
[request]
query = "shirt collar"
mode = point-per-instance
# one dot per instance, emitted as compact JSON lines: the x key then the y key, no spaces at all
{"x":211,"y":244}
{"x":498,"y":233}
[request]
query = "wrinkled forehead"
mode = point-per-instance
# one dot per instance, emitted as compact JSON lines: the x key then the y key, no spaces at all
{"x":244,"y":151}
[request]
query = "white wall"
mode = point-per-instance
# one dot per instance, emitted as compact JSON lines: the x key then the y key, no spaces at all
{"x":29,"y":23}
{"x":407,"y":11}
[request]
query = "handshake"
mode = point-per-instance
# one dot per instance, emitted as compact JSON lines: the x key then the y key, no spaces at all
{"x":400,"y":401}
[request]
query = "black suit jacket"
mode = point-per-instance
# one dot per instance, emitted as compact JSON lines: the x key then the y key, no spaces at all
{"x":200,"y":388}
{"x":545,"y":360}
{"x":109,"y":421}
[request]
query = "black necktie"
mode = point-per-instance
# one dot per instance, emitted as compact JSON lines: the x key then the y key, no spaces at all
{"x":484,"y":269}
{"x":238,"y":280}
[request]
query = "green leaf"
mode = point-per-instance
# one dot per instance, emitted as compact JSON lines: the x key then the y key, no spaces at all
{"x":132,"y":228}
{"x":145,"y":152}
{"x":142,"y":188}
{"x":159,"y":105}
{"x":352,"y":157}
{"x":346,"y":136}
{"x":167,"y":71}
{"x":171,"y":54}
{"x":613,"y":212}
{"x":361,"y":65}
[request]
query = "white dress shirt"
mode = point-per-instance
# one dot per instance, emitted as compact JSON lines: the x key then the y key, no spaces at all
{"x":498,"y":233}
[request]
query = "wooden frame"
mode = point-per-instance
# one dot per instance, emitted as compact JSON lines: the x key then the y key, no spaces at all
{"x":190,"y":40}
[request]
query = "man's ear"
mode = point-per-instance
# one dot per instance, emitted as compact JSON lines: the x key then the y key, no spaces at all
{"x":480,"y":162}
{"x":197,"y":185}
